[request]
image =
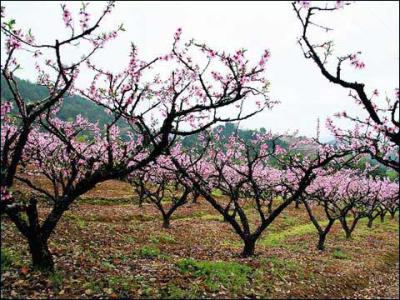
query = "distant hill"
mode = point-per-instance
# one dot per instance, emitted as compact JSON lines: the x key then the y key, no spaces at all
{"x":72,"y":106}
{"x":227,"y":130}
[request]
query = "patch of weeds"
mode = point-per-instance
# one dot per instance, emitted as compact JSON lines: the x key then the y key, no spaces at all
{"x":173,"y":291}
{"x":10,"y":258}
{"x":389,"y":259}
{"x":210,"y":217}
{"x":289,"y":221}
{"x":378,"y":228}
{"x":280,"y":267}
{"x":111,"y":218}
{"x":130,"y":239}
{"x":264,"y":287}
{"x":232,"y":275}
{"x":105,"y":201}
{"x":391,"y":225}
{"x":107,"y":265}
{"x":339,"y":254}
{"x":57,"y":279}
{"x":6,"y":258}
{"x":94,"y":286}
{"x":148,"y":252}
{"x":273,"y":239}
{"x":167,"y":200}
{"x":121,"y":284}
{"x":216,"y":193}
{"x":80,"y":222}
{"x":203,"y":216}
{"x":163,"y":239}
{"x":142,"y":218}
{"x":148,"y":291}
{"x":276,"y":239}
{"x":198,"y":214}
{"x":298,"y":246}
{"x":230,"y":243}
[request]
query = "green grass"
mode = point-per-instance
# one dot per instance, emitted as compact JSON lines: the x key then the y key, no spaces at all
{"x":217,"y":193}
{"x":149,"y":252}
{"x":10,"y":258}
{"x":6,"y":258}
{"x":173,"y":291}
{"x":216,"y":273}
{"x":281,"y":267}
{"x":276,"y":239}
{"x":210,"y":217}
{"x":162,"y":239}
{"x":231,"y":244}
{"x":378,"y":228}
{"x":339,"y":254}
{"x":56,"y":279}
{"x":105,"y":201}
{"x":289,"y":221}
{"x":203,"y":216}
{"x":119,"y":283}
{"x":107,"y":266}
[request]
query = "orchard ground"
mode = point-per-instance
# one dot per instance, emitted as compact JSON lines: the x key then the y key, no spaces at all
{"x":107,"y":247}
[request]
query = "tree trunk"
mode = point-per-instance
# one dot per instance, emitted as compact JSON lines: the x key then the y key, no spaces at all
{"x":297,"y":204}
{"x":166,"y":222}
{"x":249,"y":247}
{"x":370,"y":220}
{"x":42,"y":258}
{"x":392,"y":214}
{"x":346,"y":227}
{"x":382,"y":216}
{"x":270,"y":208}
{"x":321,"y":241}
{"x":195,"y":197}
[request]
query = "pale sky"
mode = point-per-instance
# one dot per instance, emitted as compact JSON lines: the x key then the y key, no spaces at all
{"x":305,"y":95}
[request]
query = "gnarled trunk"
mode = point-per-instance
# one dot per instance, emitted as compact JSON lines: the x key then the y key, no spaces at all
{"x":166,"y":223}
{"x":42,"y":258}
{"x":249,"y":247}
{"x":382,"y":216}
{"x":321,"y":241}
{"x":370,"y":221}
{"x":297,"y":204}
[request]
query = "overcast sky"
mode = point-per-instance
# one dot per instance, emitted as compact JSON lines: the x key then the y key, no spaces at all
{"x":372,"y":27}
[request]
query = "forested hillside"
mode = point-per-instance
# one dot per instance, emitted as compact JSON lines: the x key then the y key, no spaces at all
{"x":73,"y":105}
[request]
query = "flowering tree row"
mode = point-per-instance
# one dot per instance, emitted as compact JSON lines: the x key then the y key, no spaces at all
{"x":347,"y":196}
{"x":260,"y":179}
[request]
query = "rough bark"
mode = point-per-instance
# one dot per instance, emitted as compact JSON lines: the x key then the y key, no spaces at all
{"x":166,"y":223}
{"x":321,"y":241}
{"x":370,"y":221}
{"x":249,"y":248}
{"x":42,"y":258}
